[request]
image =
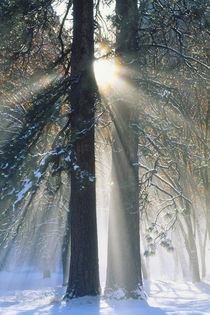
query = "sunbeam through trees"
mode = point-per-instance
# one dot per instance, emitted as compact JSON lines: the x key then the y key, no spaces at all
{"x":104,"y":126}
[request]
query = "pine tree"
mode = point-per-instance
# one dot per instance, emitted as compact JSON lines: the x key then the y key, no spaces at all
{"x":84,"y":275}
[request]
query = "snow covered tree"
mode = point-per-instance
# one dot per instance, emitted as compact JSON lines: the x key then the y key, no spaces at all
{"x":76,"y":139}
{"x":170,"y":119}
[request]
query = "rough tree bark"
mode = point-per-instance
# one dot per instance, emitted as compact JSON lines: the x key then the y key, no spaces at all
{"x":84,"y":273}
{"x":123,"y":265}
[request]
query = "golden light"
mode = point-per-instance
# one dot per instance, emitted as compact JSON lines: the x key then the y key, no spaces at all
{"x":105,"y":73}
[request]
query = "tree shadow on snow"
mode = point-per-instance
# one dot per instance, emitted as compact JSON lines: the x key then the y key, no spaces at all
{"x":93,"y":306}
{"x":132,"y":306}
{"x":79,"y":306}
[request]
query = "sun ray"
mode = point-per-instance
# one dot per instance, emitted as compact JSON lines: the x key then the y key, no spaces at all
{"x":105,"y":73}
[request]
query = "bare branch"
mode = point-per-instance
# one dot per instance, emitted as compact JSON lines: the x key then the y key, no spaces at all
{"x":178,"y":53}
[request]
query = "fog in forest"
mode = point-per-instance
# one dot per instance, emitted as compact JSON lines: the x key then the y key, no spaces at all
{"x":38,"y":245}
{"x":101,"y":127}
{"x":174,"y":243}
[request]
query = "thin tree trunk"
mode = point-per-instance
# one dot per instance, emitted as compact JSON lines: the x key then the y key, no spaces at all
{"x":193,"y":251}
{"x":66,"y":251}
{"x":191,"y":247}
{"x":84,"y":273}
{"x":202,"y":245}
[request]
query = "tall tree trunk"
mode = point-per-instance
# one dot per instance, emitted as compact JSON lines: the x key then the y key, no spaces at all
{"x":193,"y":255}
{"x":190,"y":247}
{"x":123,"y":265}
{"x":84,"y":273}
{"x":66,"y":251}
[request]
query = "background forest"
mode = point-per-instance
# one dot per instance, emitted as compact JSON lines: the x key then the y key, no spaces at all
{"x":104,"y":142}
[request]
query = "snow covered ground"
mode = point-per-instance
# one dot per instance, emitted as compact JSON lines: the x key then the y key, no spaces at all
{"x":30,"y":294}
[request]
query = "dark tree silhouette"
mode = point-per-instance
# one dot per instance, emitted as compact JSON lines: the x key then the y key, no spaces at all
{"x":84,"y":275}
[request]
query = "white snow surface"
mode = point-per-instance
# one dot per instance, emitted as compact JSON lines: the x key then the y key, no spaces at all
{"x":29,"y":293}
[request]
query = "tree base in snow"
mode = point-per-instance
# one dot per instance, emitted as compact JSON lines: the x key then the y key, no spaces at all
{"x":122,"y":293}
{"x":73,"y":293}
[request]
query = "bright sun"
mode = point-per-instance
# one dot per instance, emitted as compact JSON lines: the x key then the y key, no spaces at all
{"x":105,"y":73}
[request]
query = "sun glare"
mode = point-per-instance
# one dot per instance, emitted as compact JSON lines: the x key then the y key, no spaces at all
{"x":105,"y":73}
